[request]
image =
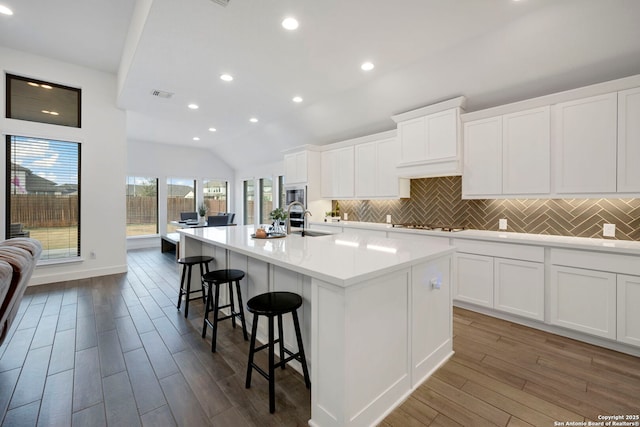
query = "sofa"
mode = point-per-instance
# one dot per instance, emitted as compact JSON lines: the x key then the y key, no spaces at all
{"x":18,"y":258}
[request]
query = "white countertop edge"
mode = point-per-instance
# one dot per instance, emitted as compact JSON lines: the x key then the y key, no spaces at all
{"x":191,"y":233}
{"x":628,"y":247}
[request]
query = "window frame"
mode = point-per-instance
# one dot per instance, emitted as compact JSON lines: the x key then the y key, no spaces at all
{"x":157,"y":181}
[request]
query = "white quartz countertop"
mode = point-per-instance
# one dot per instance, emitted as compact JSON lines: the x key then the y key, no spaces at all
{"x":342,"y":259}
{"x":565,"y":242}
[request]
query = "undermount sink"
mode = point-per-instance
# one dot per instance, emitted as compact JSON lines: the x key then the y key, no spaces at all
{"x":310,"y":233}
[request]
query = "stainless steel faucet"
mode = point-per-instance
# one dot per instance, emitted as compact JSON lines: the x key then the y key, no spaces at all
{"x":296,"y":203}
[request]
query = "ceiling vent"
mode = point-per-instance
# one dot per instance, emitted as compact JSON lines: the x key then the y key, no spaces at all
{"x":221,"y":2}
{"x":161,"y":93}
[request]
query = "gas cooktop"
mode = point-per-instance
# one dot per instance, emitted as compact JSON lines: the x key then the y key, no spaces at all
{"x":434,"y":227}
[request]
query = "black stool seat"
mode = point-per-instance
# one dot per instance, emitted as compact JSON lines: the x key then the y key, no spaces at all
{"x":215,"y":279}
{"x":275,"y":304}
{"x":185,"y":288}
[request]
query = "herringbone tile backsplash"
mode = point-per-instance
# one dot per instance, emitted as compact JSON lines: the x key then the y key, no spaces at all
{"x":438,"y":201}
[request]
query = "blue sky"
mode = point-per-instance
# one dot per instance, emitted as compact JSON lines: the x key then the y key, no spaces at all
{"x":56,"y":161}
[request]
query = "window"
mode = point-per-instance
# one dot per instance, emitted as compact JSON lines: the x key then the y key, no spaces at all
{"x":249,"y":198}
{"x":44,"y":102}
{"x":180,"y":198}
{"x":142,"y":206}
{"x":215,"y":195}
{"x":266,"y":200}
{"x":43,"y":194}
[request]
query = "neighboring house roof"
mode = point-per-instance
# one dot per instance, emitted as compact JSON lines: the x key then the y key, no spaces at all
{"x":174,"y":190}
{"x":35,"y":184}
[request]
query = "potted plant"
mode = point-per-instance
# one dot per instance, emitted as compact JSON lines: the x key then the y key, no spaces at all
{"x":278,"y":216}
{"x":202,"y":211}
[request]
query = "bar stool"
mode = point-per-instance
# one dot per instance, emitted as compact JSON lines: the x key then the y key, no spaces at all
{"x":215,"y":279}
{"x":187,"y":265}
{"x":272,"y":304}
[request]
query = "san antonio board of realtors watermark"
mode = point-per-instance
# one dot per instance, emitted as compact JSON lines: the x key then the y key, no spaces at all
{"x":632,"y":420}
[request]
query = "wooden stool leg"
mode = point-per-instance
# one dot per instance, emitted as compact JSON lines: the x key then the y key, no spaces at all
{"x":233,"y":318}
{"x":204,"y":297}
{"x":272,"y":383}
{"x":207,"y":309}
{"x":303,"y":359}
{"x":244,"y":324}
{"x":281,"y":341}
{"x":181,"y":291}
{"x":216,"y":304}
{"x":252,"y":349}
{"x":188,"y":292}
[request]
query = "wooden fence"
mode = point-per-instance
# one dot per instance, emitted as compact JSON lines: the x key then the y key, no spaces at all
{"x":62,"y":211}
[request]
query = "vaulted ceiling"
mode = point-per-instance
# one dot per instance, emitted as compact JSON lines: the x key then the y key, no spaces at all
{"x":424,"y":51}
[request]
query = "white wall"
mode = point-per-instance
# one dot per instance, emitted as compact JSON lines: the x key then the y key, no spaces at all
{"x":161,"y":161}
{"x":103,"y":150}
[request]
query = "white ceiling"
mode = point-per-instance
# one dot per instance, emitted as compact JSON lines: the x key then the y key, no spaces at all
{"x":425,"y":51}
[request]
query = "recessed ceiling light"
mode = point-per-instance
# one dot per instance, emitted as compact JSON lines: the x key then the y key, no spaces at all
{"x":5,"y":10}
{"x":212,"y":129}
{"x":46,"y":87}
{"x":226,"y":77}
{"x":367,"y":66}
{"x":46,"y":111}
{"x":193,"y":106}
{"x":54,"y":113}
{"x":290,"y":24}
{"x":195,"y":138}
{"x":297,"y":99}
{"x":253,"y":120}
{"x":33,"y":84}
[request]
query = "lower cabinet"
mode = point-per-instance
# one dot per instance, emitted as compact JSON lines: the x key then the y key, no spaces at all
{"x":474,"y":280}
{"x":583,"y":300}
{"x":519,"y":287}
{"x":628,"y":312}
{"x":488,"y":279}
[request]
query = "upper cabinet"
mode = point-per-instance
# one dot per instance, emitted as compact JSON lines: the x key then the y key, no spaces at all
{"x":375,"y":172}
{"x":295,"y":168}
{"x":430,"y":140}
{"x":507,"y":155}
{"x":338,"y":180}
{"x":585,"y":134}
{"x":629,"y":141}
{"x":581,"y":143}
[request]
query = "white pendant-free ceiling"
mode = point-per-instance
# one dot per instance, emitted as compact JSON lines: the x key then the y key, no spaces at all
{"x":423,"y":51}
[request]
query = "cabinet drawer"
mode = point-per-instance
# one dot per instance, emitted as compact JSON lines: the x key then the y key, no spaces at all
{"x":615,"y":263}
{"x":502,"y":250}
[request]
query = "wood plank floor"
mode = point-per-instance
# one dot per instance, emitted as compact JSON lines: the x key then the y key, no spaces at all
{"x":114,"y":351}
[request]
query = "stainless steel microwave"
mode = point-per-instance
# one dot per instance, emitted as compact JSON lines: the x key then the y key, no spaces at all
{"x":296,"y":194}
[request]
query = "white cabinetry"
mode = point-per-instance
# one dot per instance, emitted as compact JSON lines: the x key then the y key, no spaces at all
{"x":429,"y":139}
{"x":482,"y":174}
{"x":507,"y":155}
{"x":585,"y":135}
{"x":629,"y":140}
{"x":338,"y":173}
{"x":505,"y":277}
{"x":375,"y":172}
{"x":295,"y":168}
{"x":583,"y":300}
{"x":474,"y":281}
{"x":628,"y":309}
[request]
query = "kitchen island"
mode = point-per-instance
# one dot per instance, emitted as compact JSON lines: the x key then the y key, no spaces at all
{"x":376,"y":318}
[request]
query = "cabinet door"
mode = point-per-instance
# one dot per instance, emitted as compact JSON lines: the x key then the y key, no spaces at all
{"x":519,"y":287}
{"x":583,"y":300}
{"x":442,"y":135}
{"x":387,"y":157}
{"x":343,"y":173}
{"x":474,"y":279}
{"x":526,"y":152}
{"x":412,"y":134}
{"x":366,"y":176}
{"x":328,"y":167}
{"x":482,"y":174}
{"x":295,"y":168}
{"x":628,"y":312}
{"x":629,"y":140}
{"x":585,"y":141}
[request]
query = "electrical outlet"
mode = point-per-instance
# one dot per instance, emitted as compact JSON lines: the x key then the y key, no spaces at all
{"x":388,"y":219}
{"x":92,"y":254}
{"x":346,"y":216}
{"x":609,"y":230}
{"x":502,"y":224}
{"x":435,"y":283}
